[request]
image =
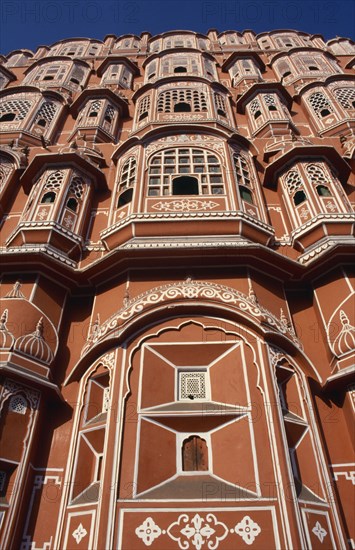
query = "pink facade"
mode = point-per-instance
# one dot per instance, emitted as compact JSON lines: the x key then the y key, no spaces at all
{"x":177,"y":332}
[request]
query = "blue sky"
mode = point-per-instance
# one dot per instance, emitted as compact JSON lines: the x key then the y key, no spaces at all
{"x":30,"y":23}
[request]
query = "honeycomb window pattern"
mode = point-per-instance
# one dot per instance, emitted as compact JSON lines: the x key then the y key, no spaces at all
{"x":195,"y":98}
{"x":165,"y":166}
{"x":17,"y":107}
{"x":346,"y":97}
{"x":46,"y":112}
{"x":77,"y":187}
{"x":18,"y":404}
{"x":192,"y":385}
{"x":293,"y":181}
{"x":143,"y":109}
{"x":320,"y":104}
{"x":220,"y":104}
{"x":54,"y":181}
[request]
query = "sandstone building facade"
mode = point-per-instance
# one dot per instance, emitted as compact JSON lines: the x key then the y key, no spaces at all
{"x":177,"y":332}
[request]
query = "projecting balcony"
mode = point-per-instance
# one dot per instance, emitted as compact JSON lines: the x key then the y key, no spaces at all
{"x":47,"y":233}
{"x":184,"y":219}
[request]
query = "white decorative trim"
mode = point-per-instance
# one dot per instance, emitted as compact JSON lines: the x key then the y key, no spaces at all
{"x":184,"y":205}
{"x":319,"y":532}
{"x":247,"y":529}
{"x":79,"y":533}
{"x":197,"y":290}
{"x":35,"y":249}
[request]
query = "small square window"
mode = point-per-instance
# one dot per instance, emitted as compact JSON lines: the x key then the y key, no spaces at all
{"x":192,"y":385}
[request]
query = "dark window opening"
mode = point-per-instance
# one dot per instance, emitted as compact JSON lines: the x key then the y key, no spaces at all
{"x":108,"y":119}
{"x":93,"y":114}
{"x":42,"y":122}
{"x":182,"y":108}
{"x":272,"y":108}
{"x":72,"y":204}
{"x":48,"y":197}
{"x":246,"y":195}
{"x":180,"y":70}
{"x":325,"y":112}
{"x":313,"y":68}
{"x":194,"y":454}
{"x":152,"y":75}
{"x":299,"y":197}
{"x":185,"y":185}
{"x":125,"y":198}
{"x":323,"y":191}
{"x":287,"y":73}
{"x":8,"y":117}
{"x":75,"y":80}
{"x":143,"y":115}
{"x":221,"y":112}
{"x":48,"y":77}
{"x":257,"y":114}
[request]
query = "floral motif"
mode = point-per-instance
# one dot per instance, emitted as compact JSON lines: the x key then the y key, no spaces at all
{"x":247,"y":529}
{"x":79,"y":533}
{"x":42,"y":213}
{"x":304,"y":213}
{"x":319,"y":531}
{"x":148,"y":531}
{"x":185,"y":205}
{"x":198,"y":531}
{"x":331,"y":206}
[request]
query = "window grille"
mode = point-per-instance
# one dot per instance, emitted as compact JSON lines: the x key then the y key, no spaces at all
{"x":128,"y":174}
{"x":220,"y":104}
{"x":195,"y":98}
{"x":209,"y":68}
{"x":177,"y":64}
{"x":167,"y":165}
{"x":73,"y":49}
{"x":109,"y":114}
{"x":346,"y":97}
{"x":192,"y":385}
{"x":242,"y":170}
{"x":46,"y":112}
{"x":54,"y":72}
{"x":77,"y":75}
{"x":269,"y":100}
{"x":54,"y":181}
{"x":18,"y":107}
{"x":320,"y":104}
{"x":18,"y":404}
{"x":293,"y":181}
{"x":317,"y":175}
{"x":77,"y":187}
{"x":255,"y":108}
{"x":144,"y":106}
{"x":94,"y":108}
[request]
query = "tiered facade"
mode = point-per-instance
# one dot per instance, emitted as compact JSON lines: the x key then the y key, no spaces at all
{"x":177,"y":332}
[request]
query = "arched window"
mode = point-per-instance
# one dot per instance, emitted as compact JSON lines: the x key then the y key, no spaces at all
{"x":18,"y":404}
{"x":246,"y":194}
{"x":194,"y":454}
{"x":255,"y":108}
{"x":94,"y":109}
{"x":48,"y":197}
{"x":127,"y":181}
{"x":346,"y":97}
{"x":72,"y":204}
{"x":323,"y":191}
{"x":185,"y":185}
{"x":182,"y":100}
{"x":143,"y":108}
{"x":46,"y":114}
{"x":14,"y":110}
{"x":320,"y":104}
{"x":198,"y":164}
{"x":220,"y":104}
{"x":299,"y":197}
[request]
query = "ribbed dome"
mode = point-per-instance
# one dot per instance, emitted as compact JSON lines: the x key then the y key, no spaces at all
{"x":345,"y":341}
{"x":6,"y":338}
{"x":34,"y":345}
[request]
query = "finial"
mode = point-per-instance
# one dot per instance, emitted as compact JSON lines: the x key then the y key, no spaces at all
{"x":16,"y":291}
{"x":188,"y":279}
{"x":3,"y":319}
{"x":344,"y":318}
{"x":252,"y":296}
{"x":126,"y":298}
{"x":39,"y":328}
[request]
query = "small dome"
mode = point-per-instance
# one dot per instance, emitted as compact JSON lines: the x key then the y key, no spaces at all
{"x":34,"y":345}
{"x":345,"y":341}
{"x":6,"y":338}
